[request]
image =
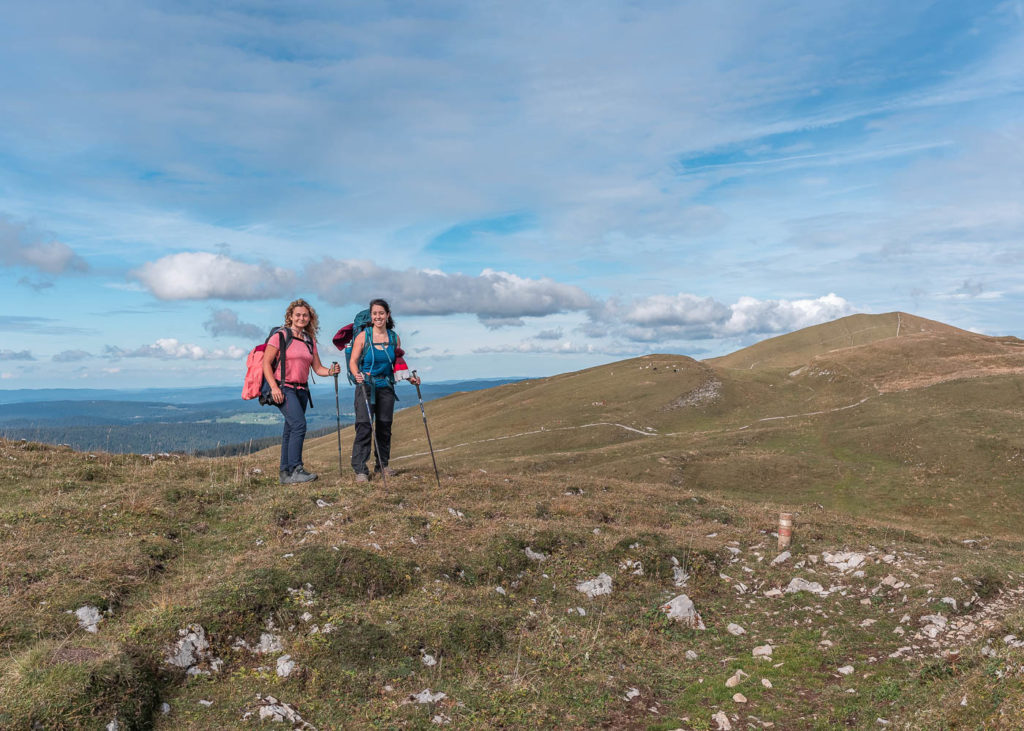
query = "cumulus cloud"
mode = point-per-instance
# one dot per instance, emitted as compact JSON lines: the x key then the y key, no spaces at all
{"x":172,"y":349}
{"x":15,"y":355}
{"x":498,"y":298}
{"x":71,"y":356}
{"x":22,"y":247}
{"x":549,"y":334}
{"x":688,"y":317}
{"x":201,"y":275}
{"x":225,"y":322}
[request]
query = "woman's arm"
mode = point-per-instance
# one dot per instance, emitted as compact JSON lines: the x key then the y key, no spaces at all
{"x":357,"y":353}
{"x":414,"y":380}
{"x":268,"y":374}
{"x":319,"y":368}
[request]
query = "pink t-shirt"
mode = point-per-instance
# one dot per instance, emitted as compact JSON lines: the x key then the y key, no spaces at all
{"x":299,"y":360}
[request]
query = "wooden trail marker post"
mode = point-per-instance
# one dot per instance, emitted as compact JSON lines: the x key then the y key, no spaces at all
{"x":785,"y":530}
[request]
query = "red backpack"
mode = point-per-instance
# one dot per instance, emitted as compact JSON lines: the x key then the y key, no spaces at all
{"x":254,"y":385}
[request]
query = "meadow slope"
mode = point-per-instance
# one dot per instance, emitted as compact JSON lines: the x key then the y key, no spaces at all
{"x":221,"y":597}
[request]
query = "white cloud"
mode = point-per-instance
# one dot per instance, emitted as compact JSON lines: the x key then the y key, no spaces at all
{"x":688,"y":317}
{"x":15,"y":355}
{"x":497,"y":298}
{"x":201,"y":275}
{"x":172,"y":349}
{"x":566,"y":347}
{"x":22,"y":247}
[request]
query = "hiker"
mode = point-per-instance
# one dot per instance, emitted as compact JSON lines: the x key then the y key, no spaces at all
{"x":372,"y":365}
{"x":291,"y":394}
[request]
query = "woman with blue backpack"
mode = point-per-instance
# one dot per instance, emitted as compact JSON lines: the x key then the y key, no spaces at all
{"x":287,"y":378}
{"x":372,"y":366}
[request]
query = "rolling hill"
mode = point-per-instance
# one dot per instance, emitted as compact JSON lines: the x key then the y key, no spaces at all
{"x":876,"y":414}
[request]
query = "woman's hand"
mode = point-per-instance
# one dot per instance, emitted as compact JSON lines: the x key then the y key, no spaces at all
{"x":334,"y":370}
{"x":277,"y":395}
{"x":358,"y":376}
{"x":415,"y":380}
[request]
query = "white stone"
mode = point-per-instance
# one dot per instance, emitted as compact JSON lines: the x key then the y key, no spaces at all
{"x":950,"y":601}
{"x":843,"y":561}
{"x":285,"y":666}
{"x":739,"y":698}
{"x":798,"y":584}
{"x":189,"y":649}
{"x":113,"y":726}
{"x":722,"y":720}
{"x":501,"y":590}
{"x":846,"y":670}
{"x":89,"y":618}
{"x":680,"y":576}
{"x":428,"y":659}
{"x":534,"y":555}
{"x":205,"y":703}
{"x":632,"y":693}
{"x":426,"y":696}
{"x":269,"y":643}
{"x":596,"y":587}
{"x":734,"y":629}
{"x":691,"y":655}
{"x":781,"y":558}
{"x":681,"y":609}
{"x":766,"y":683}
{"x":165,"y":708}
{"x":736,"y":678}
{"x":764,"y":651}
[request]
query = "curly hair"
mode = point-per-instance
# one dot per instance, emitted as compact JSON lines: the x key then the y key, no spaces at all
{"x":313,"y":326}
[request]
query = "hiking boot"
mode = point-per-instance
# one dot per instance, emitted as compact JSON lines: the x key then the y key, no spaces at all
{"x":362,"y":477}
{"x":299,"y":474}
{"x":285,"y":476}
{"x":387,"y":471}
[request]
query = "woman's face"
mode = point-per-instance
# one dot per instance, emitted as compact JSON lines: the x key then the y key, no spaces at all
{"x":300,"y":317}
{"x":378,"y":316}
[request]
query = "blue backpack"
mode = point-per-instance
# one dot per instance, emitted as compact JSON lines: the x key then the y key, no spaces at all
{"x":346,"y":336}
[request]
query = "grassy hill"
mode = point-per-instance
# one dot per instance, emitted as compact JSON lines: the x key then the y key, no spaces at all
{"x":664,"y":473}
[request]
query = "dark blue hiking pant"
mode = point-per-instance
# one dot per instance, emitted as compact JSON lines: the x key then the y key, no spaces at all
{"x":294,"y":410}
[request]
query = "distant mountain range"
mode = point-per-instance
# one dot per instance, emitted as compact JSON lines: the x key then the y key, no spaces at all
{"x":180,"y":419}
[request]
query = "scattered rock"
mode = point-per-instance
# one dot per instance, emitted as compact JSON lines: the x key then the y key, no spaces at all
{"x":426,"y":696}
{"x":781,"y":558}
{"x":273,"y":710}
{"x":596,"y":587}
{"x":722,"y":720}
{"x":681,"y":609}
{"x":766,"y":683}
{"x":428,"y":659}
{"x":764,"y":651}
{"x":691,"y":655}
{"x":798,"y":584}
{"x":501,"y":590}
{"x":846,"y":670}
{"x":632,"y":693}
{"x":89,"y":618}
{"x":739,"y":698}
{"x":734,"y":629}
{"x":534,"y":555}
{"x":192,"y":651}
{"x":843,"y":561}
{"x":285,"y":666}
{"x":736,"y":678}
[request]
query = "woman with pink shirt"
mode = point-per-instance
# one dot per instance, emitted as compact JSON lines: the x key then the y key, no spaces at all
{"x":288,"y":380}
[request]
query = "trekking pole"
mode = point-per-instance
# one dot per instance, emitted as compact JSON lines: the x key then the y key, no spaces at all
{"x":337,"y":409}
{"x":427,"y":429}
{"x":373,"y":434}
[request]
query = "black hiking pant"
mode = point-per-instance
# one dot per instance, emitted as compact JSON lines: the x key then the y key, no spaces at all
{"x":383,"y":414}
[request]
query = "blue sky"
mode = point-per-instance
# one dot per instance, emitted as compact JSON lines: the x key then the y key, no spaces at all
{"x":536,"y":187}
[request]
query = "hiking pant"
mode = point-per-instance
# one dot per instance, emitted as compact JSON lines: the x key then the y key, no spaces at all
{"x":294,"y":410}
{"x":383,"y":412}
